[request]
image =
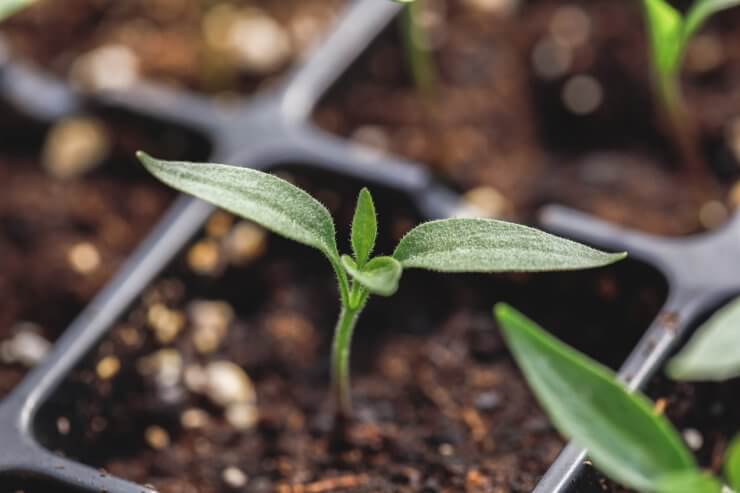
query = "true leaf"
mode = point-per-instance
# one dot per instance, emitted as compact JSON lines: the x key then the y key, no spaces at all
{"x":379,"y":276}
{"x":486,"y":245}
{"x":260,"y":197}
{"x":713,"y":353}
{"x":688,"y":482}
{"x":10,"y":7}
{"x":732,"y":464}
{"x":364,"y":227}
{"x":626,"y":439}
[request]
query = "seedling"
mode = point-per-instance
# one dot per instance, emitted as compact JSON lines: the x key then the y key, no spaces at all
{"x":626,"y":439}
{"x":451,"y":245}
{"x":416,"y":45}
{"x":10,"y":7}
{"x":713,"y":352}
{"x":669,"y":32}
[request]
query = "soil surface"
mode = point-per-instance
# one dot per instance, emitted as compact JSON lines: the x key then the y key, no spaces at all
{"x":439,"y":404}
{"x":208,"y":46}
{"x":499,"y":117}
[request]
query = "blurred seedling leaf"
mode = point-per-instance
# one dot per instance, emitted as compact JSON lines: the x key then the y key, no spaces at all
{"x":669,"y":32}
{"x":10,"y":7}
{"x":732,"y":464}
{"x":713,"y":352}
{"x":453,"y":245}
{"x":625,"y":438}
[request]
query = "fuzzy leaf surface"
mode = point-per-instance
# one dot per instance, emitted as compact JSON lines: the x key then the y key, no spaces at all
{"x":379,"y":276}
{"x":364,"y":227}
{"x":713,"y":352}
{"x":265,"y":199}
{"x":625,"y":438}
{"x":486,"y":245}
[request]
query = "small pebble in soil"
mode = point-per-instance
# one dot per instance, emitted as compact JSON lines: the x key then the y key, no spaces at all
{"x":582,"y":94}
{"x":109,"y":67}
{"x":211,"y":320}
{"x":219,"y":224}
{"x":27,"y":346}
{"x":570,"y":26}
{"x":550,"y":59}
{"x":108,"y":367}
{"x":163,"y":366}
{"x":446,"y":450}
{"x":488,"y":202}
{"x":165,"y":323}
{"x":693,"y":438}
{"x":234,"y":477}
{"x":245,"y":242}
{"x":488,"y":401}
{"x":712,"y":214}
{"x":374,"y":137}
{"x":157,"y":437}
{"x":193,"y":418}
{"x":204,"y":257}
{"x":83,"y":257}
{"x":74,"y":146}
{"x":226,"y":384}
{"x":242,"y":415}
{"x":261,"y":46}
{"x":497,"y":7}
{"x":63,"y":425}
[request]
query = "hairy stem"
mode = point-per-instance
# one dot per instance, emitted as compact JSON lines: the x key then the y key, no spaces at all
{"x":340,"y":359}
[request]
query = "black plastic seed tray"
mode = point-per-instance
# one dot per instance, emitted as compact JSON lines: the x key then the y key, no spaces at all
{"x":274,"y":128}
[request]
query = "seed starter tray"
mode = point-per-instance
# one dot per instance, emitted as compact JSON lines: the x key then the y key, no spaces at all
{"x":272,"y":128}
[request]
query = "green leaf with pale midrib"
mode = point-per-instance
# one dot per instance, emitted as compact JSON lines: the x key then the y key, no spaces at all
{"x":263,"y":198}
{"x":486,"y":245}
{"x":364,"y":227}
{"x":713,"y":353}
{"x":379,"y":276}
{"x":625,"y":438}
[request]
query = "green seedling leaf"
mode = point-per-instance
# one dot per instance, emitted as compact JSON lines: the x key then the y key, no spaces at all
{"x":10,"y":7}
{"x":260,"y":197}
{"x":713,"y":353}
{"x":624,"y":436}
{"x":732,"y":464}
{"x":665,"y":28}
{"x":364,"y":227}
{"x":379,"y":276}
{"x":700,"y":11}
{"x":486,"y":245}
{"x":688,"y":482}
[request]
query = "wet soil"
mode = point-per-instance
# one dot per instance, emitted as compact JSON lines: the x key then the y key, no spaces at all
{"x":439,"y":404}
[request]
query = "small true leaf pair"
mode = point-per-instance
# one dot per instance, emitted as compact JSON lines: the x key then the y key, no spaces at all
{"x":625,"y":437}
{"x":450,"y":245}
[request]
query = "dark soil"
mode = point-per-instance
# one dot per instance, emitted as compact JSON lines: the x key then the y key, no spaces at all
{"x":493,"y":121}
{"x":440,"y":406}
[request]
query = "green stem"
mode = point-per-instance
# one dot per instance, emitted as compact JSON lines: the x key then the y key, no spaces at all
{"x":416,"y":44}
{"x":340,"y":359}
{"x":680,"y":124}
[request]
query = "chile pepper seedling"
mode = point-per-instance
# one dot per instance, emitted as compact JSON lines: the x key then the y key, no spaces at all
{"x":669,"y":32}
{"x":625,"y":437}
{"x":451,"y":245}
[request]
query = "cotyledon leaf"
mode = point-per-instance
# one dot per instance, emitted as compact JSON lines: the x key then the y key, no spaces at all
{"x":260,"y":197}
{"x":625,"y":438}
{"x":487,"y":245}
{"x":10,"y":7}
